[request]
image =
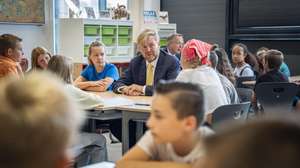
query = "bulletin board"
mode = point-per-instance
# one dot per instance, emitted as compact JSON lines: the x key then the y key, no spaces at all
{"x":22,"y":11}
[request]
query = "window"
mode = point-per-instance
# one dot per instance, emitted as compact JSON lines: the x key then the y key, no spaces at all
{"x":76,"y":8}
{"x":114,"y":3}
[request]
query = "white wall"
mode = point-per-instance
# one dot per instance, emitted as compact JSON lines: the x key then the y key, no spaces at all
{"x":33,"y":35}
{"x":137,"y":8}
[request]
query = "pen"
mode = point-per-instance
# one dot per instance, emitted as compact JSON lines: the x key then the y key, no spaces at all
{"x":142,"y":104}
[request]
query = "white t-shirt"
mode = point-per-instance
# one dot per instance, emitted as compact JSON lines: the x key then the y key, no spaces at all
{"x":209,"y":81}
{"x":231,"y":94}
{"x":165,"y":152}
{"x":85,"y":100}
{"x":246,"y":72}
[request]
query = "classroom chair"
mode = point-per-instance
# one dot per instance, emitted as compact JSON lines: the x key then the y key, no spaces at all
{"x":230,"y":112}
{"x":276,"y":96}
{"x":245,"y":94}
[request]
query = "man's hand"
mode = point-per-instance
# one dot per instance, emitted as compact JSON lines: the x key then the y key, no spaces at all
{"x":133,"y":90}
{"x":136,"y":87}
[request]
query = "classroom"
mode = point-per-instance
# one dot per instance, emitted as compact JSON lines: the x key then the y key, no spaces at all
{"x":149,"y":83}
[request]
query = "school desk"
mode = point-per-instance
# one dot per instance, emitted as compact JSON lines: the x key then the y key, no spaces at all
{"x":101,"y":165}
{"x":125,"y":107}
{"x":294,"y":79}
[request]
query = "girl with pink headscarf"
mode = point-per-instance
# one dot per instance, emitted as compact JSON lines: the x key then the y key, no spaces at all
{"x":194,"y":62}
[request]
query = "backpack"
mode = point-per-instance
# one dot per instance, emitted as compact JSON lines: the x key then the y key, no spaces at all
{"x":248,"y":66}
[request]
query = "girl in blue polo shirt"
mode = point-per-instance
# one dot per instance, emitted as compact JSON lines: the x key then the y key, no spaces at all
{"x":98,"y":75}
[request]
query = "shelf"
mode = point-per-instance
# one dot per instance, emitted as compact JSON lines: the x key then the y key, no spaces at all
{"x":77,"y":34}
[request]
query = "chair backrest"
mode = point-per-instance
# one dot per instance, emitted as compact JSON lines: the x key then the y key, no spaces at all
{"x":245,"y":94}
{"x":230,"y":112}
{"x":239,"y":81}
{"x":276,"y":96}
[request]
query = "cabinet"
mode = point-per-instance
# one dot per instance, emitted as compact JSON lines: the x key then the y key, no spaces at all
{"x":164,"y":30}
{"x":75,"y":35}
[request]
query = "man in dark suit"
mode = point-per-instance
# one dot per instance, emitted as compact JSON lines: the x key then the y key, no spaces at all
{"x":147,"y":68}
{"x":174,"y":44}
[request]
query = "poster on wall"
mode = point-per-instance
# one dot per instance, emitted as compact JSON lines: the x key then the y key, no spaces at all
{"x":150,"y":17}
{"x":22,"y":11}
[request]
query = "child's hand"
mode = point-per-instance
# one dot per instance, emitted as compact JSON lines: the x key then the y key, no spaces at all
{"x":24,"y":64}
{"x":95,"y":84}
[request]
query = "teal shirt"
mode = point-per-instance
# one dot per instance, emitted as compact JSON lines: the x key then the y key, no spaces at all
{"x":285,"y":69}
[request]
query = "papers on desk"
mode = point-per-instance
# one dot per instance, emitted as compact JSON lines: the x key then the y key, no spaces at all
{"x":101,"y":165}
{"x":118,"y":101}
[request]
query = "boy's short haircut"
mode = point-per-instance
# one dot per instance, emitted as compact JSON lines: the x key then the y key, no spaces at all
{"x":260,"y":144}
{"x":38,"y":123}
{"x":274,"y":58}
{"x":8,"y":41}
{"x":187,"y":98}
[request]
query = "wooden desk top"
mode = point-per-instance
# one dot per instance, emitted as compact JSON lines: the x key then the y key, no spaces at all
{"x":114,"y":101}
{"x":249,"y":83}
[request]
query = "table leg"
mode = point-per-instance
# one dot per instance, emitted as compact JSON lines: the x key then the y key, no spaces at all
{"x":126,"y":117}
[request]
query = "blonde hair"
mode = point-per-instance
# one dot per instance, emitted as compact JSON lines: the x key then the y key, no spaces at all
{"x":145,"y":34}
{"x":36,"y":52}
{"x":37,"y":123}
{"x":95,"y":44}
{"x":62,"y":66}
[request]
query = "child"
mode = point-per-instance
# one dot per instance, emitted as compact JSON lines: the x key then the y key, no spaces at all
{"x":194,"y":63}
{"x":284,"y":68}
{"x":11,"y":54}
{"x":98,"y":75}
{"x":38,"y":122}
{"x":273,"y":60}
{"x":62,"y":66}
{"x":245,"y":62}
{"x":39,"y":58}
{"x":173,"y":139}
{"x":260,"y":55}
{"x":223,"y":64}
{"x":260,"y":144}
